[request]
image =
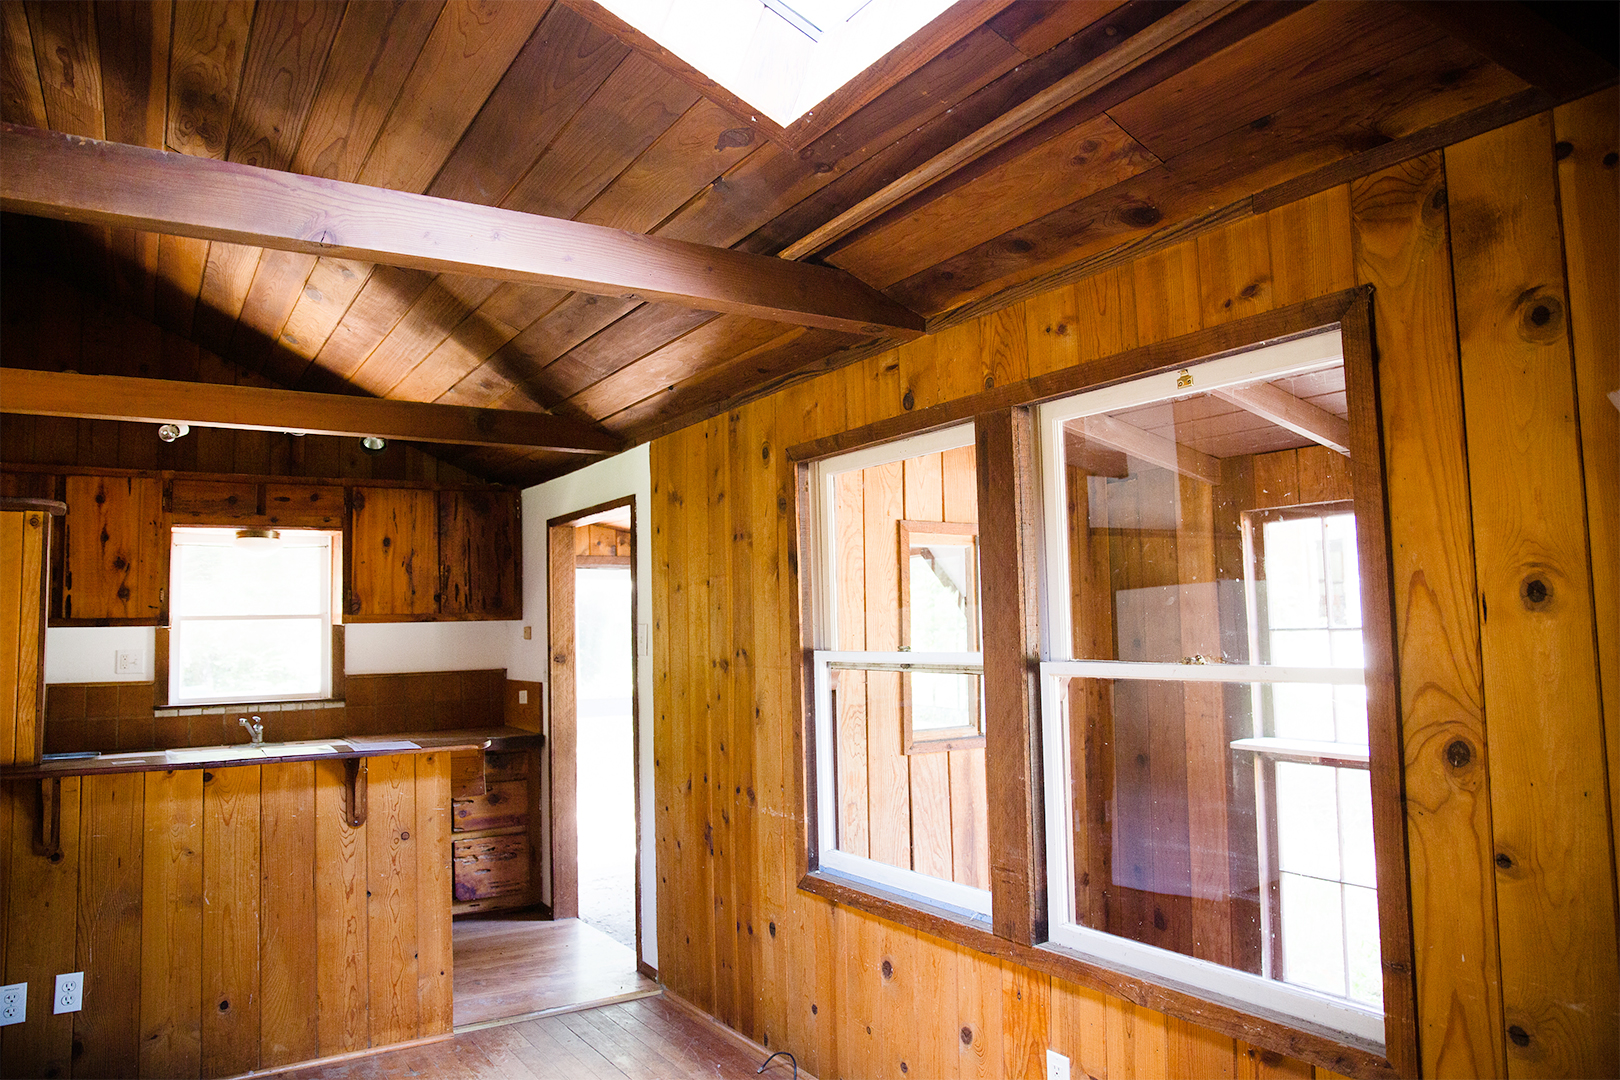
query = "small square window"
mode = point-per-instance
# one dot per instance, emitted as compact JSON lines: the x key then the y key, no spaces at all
{"x":250,"y":616}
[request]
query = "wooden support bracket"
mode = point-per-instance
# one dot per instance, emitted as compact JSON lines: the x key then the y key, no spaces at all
{"x":354,"y":805}
{"x":48,"y":841}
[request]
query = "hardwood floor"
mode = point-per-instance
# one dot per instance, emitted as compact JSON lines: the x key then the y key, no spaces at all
{"x":634,"y":1040}
{"x":520,"y":965}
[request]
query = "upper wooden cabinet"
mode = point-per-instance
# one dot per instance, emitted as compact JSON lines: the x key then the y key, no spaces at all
{"x":115,"y":566}
{"x":25,"y":526}
{"x":421,"y":555}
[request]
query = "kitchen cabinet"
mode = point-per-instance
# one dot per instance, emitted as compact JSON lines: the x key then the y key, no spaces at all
{"x":422,"y":555}
{"x":494,"y":823}
{"x":25,"y":553}
{"x":115,"y":566}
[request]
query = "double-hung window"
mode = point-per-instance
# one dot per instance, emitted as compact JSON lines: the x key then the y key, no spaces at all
{"x":897,"y":670}
{"x":1205,"y":722}
{"x":250,"y":616}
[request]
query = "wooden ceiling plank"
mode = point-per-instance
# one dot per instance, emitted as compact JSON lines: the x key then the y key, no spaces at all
{"x":1515,"y":36}
{"x":134,"y":50}
{"x":69,"y":59}
{"x":182,"y":260}
{"x":116,"y":397}
{"x":287,"y":54}
{"x":1151,"y":448}
{"x":109,"y":184}
{"x":1412,"y":90}
{"x":1285,"y":410}
{"x":563,"y":63}
{"x":328,"y":292}
{"x":649,"y":327}
{"x":206,"y":51}
{"x":1034,"y":27}
{"x":553,"y":334}
{"x":278,"y":282}
{"x":22,"y":101}
{"x":1092,"y":156}
{"x":709,"y":345}
{"x":1154,"y":39}
{"x":470,"y":48}
{"x":1292,"y":60}
{"x":440,"y":308}
{"x":382,"y":302}
{"x":225,"y":282}
{"x":480,"y":335}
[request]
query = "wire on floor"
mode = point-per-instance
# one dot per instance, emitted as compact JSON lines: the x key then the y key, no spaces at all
{"x":773,"y":1057}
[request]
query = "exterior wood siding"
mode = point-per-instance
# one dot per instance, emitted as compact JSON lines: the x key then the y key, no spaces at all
{"x":1493,"y":268}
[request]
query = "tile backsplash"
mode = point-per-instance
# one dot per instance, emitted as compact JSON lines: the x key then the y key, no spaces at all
{"x":121,"y":716}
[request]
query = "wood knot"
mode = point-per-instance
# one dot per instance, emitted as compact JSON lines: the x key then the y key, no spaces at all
{"x":904,"y":1067}
{"x":1504,"y":861}
{"x":1459,"y":753}
{"x":813,"y":1009}
{"x":908,"y":400}
{"x":1562,"y":149}
{"x":1611,"y":159}
{"x":224,"y":1006}
{"x":773,"y":929}
{"x":888,"y":969}
{"x":1535,"y":593}
{"x":1019,"y":246}
{"x":989,"y":382}
{"x":1141,"y":216}
{"x":1518,"y":1035}
{"x":1541,"y":316}
{"x":967,"y":1036}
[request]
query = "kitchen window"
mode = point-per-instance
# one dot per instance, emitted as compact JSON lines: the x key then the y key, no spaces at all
{"x":1209,"y":809}
{"x":897,"y":670}
{"x":250,"y":616}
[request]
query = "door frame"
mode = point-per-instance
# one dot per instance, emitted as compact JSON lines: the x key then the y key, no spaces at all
{"x":563,"y":740}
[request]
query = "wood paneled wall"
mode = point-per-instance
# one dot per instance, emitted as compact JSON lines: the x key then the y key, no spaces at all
{"x":1494,"y":268}
{"x":228,"y":920}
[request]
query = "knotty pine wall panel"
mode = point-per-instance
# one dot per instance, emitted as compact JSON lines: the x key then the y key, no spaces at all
{"x":221,"y":918}
{"x":854,"y":995}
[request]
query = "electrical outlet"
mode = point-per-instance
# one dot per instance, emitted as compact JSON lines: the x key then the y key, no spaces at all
{"x":528,"y":633}
{"x":128,"y":662}
{"x":523,"y":697}
{"x":13,"y":1003}
{"x":70,"y":992}
{"x":1057,"y":1066}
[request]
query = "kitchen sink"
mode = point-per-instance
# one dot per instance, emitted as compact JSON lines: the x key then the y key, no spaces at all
{"x":247,"y":752}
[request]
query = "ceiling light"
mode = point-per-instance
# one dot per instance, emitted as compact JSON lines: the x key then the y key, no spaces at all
{"x":258,"y":538}
{"x":371,"y":444}
{"x":173,"y":431}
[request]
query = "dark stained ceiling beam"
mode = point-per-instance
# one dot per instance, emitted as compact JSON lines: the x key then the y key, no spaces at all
{"x":254,"y":408}
{"x":1518,"y":37}
{"x":49,"y":174}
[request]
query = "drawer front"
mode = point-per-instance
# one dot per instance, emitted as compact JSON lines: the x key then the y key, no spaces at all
{"x":490,"y":866}
{"x":466,"y":774}
{"x":503,"y":765}
{"x":500,"y":806}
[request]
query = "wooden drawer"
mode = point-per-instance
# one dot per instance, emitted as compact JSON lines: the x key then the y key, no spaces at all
{"x":500,"y":806}
{"x":503,"y":765}
{"x":490,"y":866}
{"x":466,"y":774}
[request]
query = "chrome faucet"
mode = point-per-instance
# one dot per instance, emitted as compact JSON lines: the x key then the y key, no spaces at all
{"x":256,"y":729}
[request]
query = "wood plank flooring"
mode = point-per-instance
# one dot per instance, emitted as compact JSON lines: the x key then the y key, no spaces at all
{"x":519,"y":965}
{"x":639,"y":1040}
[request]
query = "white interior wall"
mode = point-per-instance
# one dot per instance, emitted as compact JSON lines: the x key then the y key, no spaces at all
{"x":629,"y":473}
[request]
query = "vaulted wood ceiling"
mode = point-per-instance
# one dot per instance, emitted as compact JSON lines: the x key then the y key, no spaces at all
{"x":1007,"y":146}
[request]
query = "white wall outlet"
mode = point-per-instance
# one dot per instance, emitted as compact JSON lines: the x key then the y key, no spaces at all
{"x":13,"y":1004}
{"x":1057,"y":1066}
{"x":70,"y":992}
{"x":128,"y":662}
{"x":528,"y":633}
{"x":523,"y":697}
{"x":644,"y":639}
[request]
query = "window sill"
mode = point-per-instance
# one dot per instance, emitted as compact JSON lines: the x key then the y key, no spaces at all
{"x":248,"y":707}
{"x":1331,"y":1050}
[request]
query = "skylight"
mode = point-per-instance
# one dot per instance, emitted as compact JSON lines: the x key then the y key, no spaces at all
{"x":782,"y":57}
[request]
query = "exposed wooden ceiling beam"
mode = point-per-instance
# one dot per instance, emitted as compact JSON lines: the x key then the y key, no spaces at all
{"x":1520,"y":39}
{"x":1285,"y":410}
{"x":157,"y":401}
{"x":49,"y":174}
{"x":1151,"y":448}
{"x":1138,"y":48}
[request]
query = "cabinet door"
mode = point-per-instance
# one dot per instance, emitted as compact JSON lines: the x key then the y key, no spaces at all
{"x":116,"y":552}
{"x":393,"y":555}
{"x":478,"y":547}
{"x":22,"y":581}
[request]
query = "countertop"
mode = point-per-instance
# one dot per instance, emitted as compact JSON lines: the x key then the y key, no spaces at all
{"x":359,"y":746}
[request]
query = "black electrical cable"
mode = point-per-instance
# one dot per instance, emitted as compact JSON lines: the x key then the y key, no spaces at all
{"x":773,"y":1057}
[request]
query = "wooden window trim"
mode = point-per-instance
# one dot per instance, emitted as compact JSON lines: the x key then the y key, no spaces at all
{"x":1010,"y":585}
{"x":961,"y":738}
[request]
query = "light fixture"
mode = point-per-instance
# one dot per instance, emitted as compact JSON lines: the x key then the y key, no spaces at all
{"x":172,"y":431}
{"x":258,"y":539}
{"x":371,"y":444}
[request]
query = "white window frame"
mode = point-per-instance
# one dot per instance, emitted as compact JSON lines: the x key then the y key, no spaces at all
{"x":178,"y":620}
{"x":967,"y":902}
{"x":1274,"y":361}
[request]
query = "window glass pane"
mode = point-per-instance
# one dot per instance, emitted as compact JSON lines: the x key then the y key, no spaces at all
{"x":943,"y":702}
{"x":1313,"y":933}
{"x":220,"y":579}
{"x":247,"y":658}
